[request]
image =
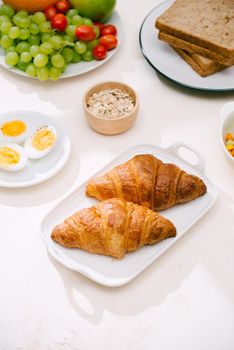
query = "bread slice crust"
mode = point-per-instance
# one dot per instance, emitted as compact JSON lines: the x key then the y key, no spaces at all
{"x":209,"y":24}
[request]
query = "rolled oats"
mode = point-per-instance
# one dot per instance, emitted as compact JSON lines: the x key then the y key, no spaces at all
{"x":111,"y":103}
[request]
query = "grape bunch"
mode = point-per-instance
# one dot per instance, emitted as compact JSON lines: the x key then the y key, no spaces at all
{"x":44,"y":43}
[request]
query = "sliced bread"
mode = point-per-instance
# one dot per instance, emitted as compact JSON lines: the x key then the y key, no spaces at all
{"x":202,"y":65}
{"x":184,"y":45}
{"x":206,"y":23}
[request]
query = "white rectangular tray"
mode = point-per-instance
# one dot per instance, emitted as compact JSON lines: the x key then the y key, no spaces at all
{"x":110,"y":272}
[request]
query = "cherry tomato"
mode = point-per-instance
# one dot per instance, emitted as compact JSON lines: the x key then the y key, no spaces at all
{"x":99,"y":25}
{"x":85,"y":33}
{"x":109,"y":41}
{"x":62,"y":6}
{"x":109,"y":29}
{"x":99,"y":52}
{"x":50,"y":12}
{"x":59,"y":22}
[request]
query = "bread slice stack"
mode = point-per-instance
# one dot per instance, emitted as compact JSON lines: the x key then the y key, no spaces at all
{"x":201,"y":32}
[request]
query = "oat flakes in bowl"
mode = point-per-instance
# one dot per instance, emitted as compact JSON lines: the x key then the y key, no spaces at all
{"x":111,"y":108}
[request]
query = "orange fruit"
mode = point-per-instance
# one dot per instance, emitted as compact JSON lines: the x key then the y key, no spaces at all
{"x":29,"y":5}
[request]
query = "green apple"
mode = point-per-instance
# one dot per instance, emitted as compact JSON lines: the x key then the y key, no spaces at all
{"x":97,"y":10}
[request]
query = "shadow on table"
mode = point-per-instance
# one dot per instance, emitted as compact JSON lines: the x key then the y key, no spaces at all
{"x":45,"y":192}
{"x":153,"y":286}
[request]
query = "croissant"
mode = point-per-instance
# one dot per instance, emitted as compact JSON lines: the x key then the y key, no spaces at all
{"x":113,"y":228}
{"x":148,"y":181}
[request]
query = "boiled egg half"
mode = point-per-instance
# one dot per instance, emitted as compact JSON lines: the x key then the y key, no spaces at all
{"x":13,"y":131}
{"x":41,"y":142}
{"x":12,"y":157}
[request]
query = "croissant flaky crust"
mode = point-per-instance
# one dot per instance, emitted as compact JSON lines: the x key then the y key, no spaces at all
{"x":113,"y":227}
{"x":148,"y":181}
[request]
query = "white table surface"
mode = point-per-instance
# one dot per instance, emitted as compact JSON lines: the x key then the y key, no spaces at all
{"x":183,"y":301}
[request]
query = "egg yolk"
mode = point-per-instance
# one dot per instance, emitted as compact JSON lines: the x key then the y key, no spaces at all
{"x":43,"y":139}
{"x":8,"y":156}
{"x":13,"y":128}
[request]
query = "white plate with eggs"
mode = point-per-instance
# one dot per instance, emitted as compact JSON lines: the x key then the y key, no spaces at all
{"x":33,"y":148}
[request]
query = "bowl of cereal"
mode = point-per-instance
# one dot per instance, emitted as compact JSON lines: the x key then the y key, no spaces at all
{"x":227,"y":130}
{"x":111,"y":107}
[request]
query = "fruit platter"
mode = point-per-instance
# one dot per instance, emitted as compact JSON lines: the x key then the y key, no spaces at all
{"x":56,"y":39}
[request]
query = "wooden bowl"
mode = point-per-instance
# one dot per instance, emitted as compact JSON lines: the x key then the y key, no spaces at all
{"x":110,"y":126}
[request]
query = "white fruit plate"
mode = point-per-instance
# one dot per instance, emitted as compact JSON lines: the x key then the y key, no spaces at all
{"x":75,"y":69}
{"x":111,"y":272}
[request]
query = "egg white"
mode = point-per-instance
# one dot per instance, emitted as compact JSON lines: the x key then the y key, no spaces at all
{"x":34,"y":153}
{"x":22,"y":161}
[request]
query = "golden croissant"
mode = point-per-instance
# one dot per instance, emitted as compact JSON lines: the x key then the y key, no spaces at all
{"x":148,"y":181}
{"x":113,"y":228}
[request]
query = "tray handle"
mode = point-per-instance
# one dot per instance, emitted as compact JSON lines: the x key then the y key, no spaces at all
{"x":199,"y":165}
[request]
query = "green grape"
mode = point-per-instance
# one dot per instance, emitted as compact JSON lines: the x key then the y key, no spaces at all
{"x":24,"y":34}
{"x":3,"y":19}
{"x":22,"y":66}
{"x":80,"y":47}
{"x":25,"y":57}
{"x":6,"y":42}
{"x":57,"y":60}
{"x":22,"y":13}
{"x":77,"y":20}
{"x":39,"y":17}
{"x":92,"y":44}
{"x":40,"y":60}
{"x":70,"y":30}
{"x":23,"y":22}
{"x":71,"y":13}
{"x":67,"y":54}
{"x":96,"y":31}
{"x":63,"y":69}
{"x":46,"y":48}
{"x":22,"y":47}
{"x":34,"y":28}
{"x":68,"y":39}
{"x":87,"y":22}
{"x":54,"y":73}
{"x":7,"y":10}
{"x":11,"y":49}
{"x":5,"y":27}
{"x":69,"y":20}
{"x":76,"y":57}
{"x":43,"y":73}
{"x":12,"y":58}
{"x":31,"y":70}
{"x":45,"y":37}
{"x":16,"y":20}
{"x":34,"y":50}
{"x":34,"y":39}
{"x":45,"y":27}
{"x":57,"y":42}
{"x":87,"y":56}
{"x":14,"y":32}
